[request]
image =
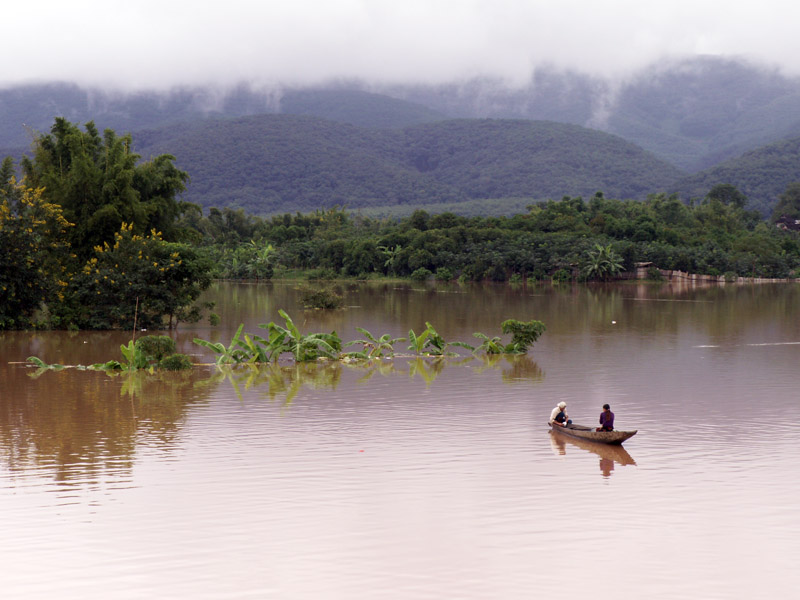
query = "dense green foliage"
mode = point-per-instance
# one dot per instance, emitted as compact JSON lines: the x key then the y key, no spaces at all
{"x":567,"y":239}
{"x":139,"y":280}
{"x":32,"y":245}
{"x":90,"y":238}
{"x":100,"y":184}
{"x":789,"y":203}
{"x":270,"y":163}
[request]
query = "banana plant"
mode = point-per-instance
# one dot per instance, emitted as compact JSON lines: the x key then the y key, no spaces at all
{"x":418,"y":341}
{"x":303,"y":347}
{"x":133,"y":357}
{"x":232,"y":354}
{"x":258,"y":349}
{"x":374,"y":347}
{"x":38,"y":362}
{"x":436,"y":344}
{"x":489,"y":345}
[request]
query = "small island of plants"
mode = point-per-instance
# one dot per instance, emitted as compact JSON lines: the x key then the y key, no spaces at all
{"x":158,"y":352}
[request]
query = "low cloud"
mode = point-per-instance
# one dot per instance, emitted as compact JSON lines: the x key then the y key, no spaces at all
{"x":162,"y":44}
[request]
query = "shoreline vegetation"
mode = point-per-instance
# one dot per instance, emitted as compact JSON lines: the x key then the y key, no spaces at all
{"x":94,"y":238}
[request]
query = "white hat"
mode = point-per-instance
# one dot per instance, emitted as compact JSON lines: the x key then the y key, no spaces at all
{"x":562,"y":405}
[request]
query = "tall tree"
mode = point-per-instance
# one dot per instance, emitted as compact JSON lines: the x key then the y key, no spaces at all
{"x":727,"y":194}
{"x":100,"y":184}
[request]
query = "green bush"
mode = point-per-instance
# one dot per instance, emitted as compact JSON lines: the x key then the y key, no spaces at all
{"x":444,"y":274}
{"x":561,"y":275}
{"x":155,"y":347}
{"x":175,"y":362}
{"x":323,"y":297}
{"x":523,"y":334}
{"x":213,"y":319}
{"x":654,"y":274}
{"x":421,"y":274}
{"x":730,"y":276}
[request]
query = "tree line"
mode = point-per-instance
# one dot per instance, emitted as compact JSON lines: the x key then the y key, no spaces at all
{"x":558,"y":239}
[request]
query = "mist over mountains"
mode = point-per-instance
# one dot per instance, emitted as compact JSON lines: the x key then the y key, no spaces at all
{"x":685,"y":116}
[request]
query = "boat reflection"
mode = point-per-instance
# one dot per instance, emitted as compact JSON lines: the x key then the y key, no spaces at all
{"x":610,"y":456}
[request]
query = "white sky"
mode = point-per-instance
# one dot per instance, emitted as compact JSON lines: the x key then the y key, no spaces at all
{"x":163,"y":43}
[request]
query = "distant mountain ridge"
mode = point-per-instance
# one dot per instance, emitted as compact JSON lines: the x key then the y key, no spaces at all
{"x":693,"y":113}
{"x":363,"y":145}
{"x":277,"y":163}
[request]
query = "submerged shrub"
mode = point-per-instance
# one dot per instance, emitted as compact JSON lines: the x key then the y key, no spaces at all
{"x":523,"y":334}
{"x":175,"y":362}
{"x":155,"y":347}
{"x":324,"y":297}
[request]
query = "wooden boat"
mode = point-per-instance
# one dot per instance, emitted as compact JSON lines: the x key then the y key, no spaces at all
{"x":589,"y":433}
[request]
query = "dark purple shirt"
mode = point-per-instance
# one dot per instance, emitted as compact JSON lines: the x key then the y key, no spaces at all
{"x":607,"y":419}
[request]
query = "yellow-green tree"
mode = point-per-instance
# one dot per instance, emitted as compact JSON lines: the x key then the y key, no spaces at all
{"x":32,"y":249}
{"x":141,"y":279}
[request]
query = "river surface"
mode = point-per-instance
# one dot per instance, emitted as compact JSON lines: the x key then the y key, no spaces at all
{"x":416,"y":478}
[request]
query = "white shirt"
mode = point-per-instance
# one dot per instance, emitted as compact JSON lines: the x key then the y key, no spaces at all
{"x":554,"y":414}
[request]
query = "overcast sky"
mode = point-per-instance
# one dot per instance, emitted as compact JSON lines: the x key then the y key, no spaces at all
{"x":162,"y":43}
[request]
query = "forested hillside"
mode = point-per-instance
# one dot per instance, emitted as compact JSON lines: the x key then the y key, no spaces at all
{"x":356,"y":107}
{"x":698,"y":112}
{"x":276,"y":163}
{"x":762,"y":175}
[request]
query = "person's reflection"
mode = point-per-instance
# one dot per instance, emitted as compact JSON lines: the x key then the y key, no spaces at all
{"x":558,"y":444}
{"x":610,"y":456}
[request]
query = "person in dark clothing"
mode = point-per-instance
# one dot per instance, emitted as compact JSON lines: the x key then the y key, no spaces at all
{"x":606,"y":419}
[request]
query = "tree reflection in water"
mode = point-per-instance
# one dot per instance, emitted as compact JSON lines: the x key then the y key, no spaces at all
{"x":85,"y":425}
{"x":80,"y":424}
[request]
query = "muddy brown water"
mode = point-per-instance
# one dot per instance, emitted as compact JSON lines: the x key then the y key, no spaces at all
{"x":416,"y":478}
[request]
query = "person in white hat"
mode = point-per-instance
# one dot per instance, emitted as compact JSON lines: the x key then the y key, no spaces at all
{"x":559,"y":415}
